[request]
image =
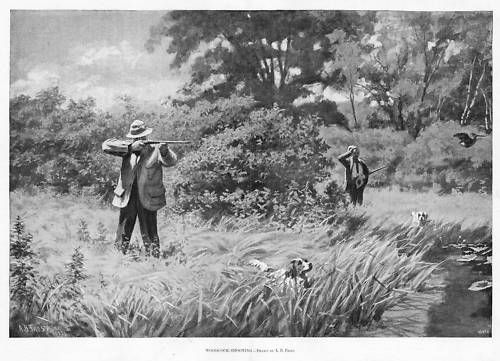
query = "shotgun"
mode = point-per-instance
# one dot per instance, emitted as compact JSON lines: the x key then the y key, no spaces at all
{"x":376,"y":170}
{"x":166,"y":141}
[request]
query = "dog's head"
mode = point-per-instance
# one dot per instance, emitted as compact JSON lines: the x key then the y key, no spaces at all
{"x":298,"y":267}
{"x":420,"y":218}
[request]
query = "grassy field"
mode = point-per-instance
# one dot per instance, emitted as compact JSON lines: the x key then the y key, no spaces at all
{"x":469,"y":209}
{"x":365,"y":263}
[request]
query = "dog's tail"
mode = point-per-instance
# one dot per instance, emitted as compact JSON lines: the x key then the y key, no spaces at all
{"x":259,"y":264}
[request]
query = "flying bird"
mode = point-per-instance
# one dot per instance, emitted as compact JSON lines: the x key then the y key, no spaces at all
{"x":466,"y":140}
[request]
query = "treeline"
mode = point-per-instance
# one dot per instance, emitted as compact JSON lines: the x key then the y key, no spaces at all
{"x":244,"y":159}
{"x":403,"y":70}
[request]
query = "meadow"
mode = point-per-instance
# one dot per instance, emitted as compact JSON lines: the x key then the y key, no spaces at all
{"x":259,"y":179}
{"x":367,"y":262}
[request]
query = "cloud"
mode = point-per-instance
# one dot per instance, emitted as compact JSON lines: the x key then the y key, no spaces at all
{"x":36,"y":79}
{"x":104,"y":72}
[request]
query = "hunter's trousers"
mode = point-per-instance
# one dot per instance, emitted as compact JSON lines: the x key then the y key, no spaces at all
{"x":356,"y":194}
{"x":147,"y":224}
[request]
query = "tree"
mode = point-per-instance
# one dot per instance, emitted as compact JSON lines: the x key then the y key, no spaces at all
{"x":477,"y":57}
{"x":347,"y":61}
{"x":417,"y":61}
{"x":267,"y":54}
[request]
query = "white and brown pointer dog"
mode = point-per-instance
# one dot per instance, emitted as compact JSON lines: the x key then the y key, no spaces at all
{"x":295,"y":275}
{"x":420,"y":218}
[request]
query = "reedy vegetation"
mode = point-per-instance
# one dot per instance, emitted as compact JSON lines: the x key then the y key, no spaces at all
{"x":359,"y":273}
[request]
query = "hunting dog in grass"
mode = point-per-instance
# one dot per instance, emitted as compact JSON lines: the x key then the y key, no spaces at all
{"x":419,"y":219}
{"x":295,"y":275}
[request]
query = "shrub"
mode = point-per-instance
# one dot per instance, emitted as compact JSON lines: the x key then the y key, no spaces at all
{"x":22,"y":262}
{"x":57,"y":143}
{"x":251,"y":166}
{"x":75,"y":270}
{"x":82,"y":233}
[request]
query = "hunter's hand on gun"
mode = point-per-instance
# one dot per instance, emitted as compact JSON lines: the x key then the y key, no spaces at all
{"x":164,"y":149}
{"x":137,"y":146}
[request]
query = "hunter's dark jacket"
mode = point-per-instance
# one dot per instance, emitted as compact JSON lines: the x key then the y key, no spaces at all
{"x":350,"y":183}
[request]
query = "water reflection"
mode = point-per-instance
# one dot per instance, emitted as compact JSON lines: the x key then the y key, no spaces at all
{"x":462,"y":313}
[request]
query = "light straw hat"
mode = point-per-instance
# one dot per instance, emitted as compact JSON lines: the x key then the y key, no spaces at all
{"x":138,"y":129}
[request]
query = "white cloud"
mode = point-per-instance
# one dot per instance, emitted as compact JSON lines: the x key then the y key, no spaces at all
{"x":36,"y":80}
{"x":94,"y":55}
{"x":105,"y":71}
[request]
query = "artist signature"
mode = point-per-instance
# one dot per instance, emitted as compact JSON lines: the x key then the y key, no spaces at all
{"x":33,"y":329}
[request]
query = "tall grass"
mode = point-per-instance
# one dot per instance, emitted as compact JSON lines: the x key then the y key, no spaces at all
{"x":204,"y":287}
{"x":355,"y":282}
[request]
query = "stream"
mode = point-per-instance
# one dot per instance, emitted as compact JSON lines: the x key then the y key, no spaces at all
{"x":446,"y":308}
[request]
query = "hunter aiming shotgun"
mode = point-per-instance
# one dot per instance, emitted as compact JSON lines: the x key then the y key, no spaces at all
{"x":140,"y":192}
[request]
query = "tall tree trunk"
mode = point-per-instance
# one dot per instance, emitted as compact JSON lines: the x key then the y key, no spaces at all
{"x":393,"y":115}
{"x":400,"y":115}
{"x":428,"y":77}
{"x":478,"y":86}
{"x":487,"y":114}
{"x":351,"y":98}
{"x":462,"y":118}
{"x":396,"y":114}
{"x":438,"y":107}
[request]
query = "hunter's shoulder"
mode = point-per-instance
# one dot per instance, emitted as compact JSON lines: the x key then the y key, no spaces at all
{"x":117,"y":141}
{"x":116,"y":146}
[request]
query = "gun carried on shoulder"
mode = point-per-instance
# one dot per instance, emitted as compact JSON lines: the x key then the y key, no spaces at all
{"x":376,"y":170}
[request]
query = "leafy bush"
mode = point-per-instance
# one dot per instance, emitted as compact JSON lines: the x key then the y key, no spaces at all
{"x":255,"y":166}
{"x":22,"y":262}
{"x":75,"y":270}
{"x":57,"y":143}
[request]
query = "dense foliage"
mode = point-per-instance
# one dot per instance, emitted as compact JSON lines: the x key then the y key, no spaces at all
{"x":415,"y":67}
{"x":267,"y":163}
{"x":267,"y":54}
{"x":56,"y":142}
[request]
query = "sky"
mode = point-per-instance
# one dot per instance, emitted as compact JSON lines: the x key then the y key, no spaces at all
{"x":90,"y":53}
